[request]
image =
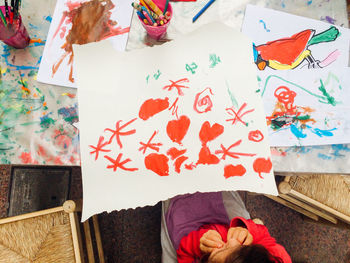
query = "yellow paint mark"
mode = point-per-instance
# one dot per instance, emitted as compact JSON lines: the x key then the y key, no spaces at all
{"x":44,"y":104}
{"x":28,"y":112}
{"x":70,"y":95}
{"x":276,"y":65}
{"x":31,"y":107}
{"x":35,"y":95}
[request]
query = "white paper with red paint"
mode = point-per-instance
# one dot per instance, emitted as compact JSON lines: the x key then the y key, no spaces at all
{"x":172,"y":119}
{"x":56,"y":66}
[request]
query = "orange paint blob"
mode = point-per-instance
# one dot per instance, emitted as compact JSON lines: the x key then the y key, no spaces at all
{"x":174,"y":153}
{"x":234,"y":170}
{"x":262,"y":165}
{"x":179,"y":161}
{"x":151,"y":107}
{"x":157,"y":163}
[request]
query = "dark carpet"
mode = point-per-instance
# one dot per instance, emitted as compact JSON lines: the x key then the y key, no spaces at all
{"x":134,"y":235}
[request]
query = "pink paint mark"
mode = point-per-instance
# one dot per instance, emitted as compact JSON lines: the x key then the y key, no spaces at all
{"x":27,"y":158}
{"x":41,"y":151}
{"x":63,"y":32}
{"x":330,"y":59}
{"x":276,"y":152}
{"x":61,"y":139}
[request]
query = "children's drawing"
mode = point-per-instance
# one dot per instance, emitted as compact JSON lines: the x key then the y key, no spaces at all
{"x":178,"y":133}
{"x":81,"y":22}
{"x":310,"y":111}
{"x":291,"y":52}
{"x":294,"y":42}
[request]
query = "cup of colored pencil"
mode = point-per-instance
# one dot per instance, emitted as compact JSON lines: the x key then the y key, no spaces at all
{"x":12,"y":30}
{"x":155,"y":16}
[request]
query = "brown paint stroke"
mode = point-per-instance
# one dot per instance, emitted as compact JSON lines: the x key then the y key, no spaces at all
{"x":91,"y":22}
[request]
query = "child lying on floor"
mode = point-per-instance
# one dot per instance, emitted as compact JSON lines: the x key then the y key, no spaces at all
{"x":215,"y":227}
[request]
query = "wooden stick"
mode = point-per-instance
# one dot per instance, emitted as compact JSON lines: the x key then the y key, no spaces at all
{"x":98,"y":239}
{"x":30,"y":215}
{"x":76,"y":237}
{"x":293,"y":206}
{"x":313,"y":202}
{"x":309,"y":208}
{"x":88,"y":242}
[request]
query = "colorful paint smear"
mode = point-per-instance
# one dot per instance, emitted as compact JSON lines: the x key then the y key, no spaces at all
{"x":90,"y":22}
{"x":32,"y":131}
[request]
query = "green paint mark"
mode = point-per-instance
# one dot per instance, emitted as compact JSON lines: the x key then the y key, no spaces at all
{"x":30,"y":123}
{"x":232,"y":97}
{"x":330,"y":99}
{"x":191,"y":67}
{"x":258,"y":90}
{"x":326,"y":36}
{"x":46,"y":121}
{"x":303,"y":118}
{"x":31,"y":73}
{"x":157,"y":75}
{"x":147,"y":78}
{"x":324,"y":98}
{"x":214,"y":60}
{"x":259,"y":79}
{"x":332,"y":76}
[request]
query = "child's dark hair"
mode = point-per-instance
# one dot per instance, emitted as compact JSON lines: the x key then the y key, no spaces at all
{"x":248,"y":254}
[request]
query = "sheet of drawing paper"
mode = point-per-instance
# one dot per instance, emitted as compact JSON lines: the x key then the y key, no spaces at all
{"x":80,"y":22}
{"x":172,"y":119}
{"x":307,"y":107}
{"x":285,"y":41}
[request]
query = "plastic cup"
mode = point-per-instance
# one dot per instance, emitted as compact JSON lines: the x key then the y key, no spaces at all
{"x":15,"y":34}
{"x":157,"y":32}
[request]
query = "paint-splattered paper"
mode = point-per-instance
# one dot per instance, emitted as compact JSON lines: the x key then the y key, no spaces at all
{"x":173,"y":119}
{"x":80,"y":22}
{"x":284,"y":41}
{"x":307,"y":107}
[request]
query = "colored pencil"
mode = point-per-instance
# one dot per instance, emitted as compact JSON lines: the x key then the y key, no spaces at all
{"x":16,"y":8}
{"x":202,"y":11}
{"x":3,"y":18}
{"x":7,"y":9}
{"x":166,"y":7}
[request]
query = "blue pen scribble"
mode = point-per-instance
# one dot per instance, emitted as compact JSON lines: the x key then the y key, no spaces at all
{"x":263,"y":22}
{"x":48,"y":18}
{"x":324,"y":156}
{"x":322,"y":133}
{"x":309,"y":2}
{"x":338,"y":148}
{"x":298,"y":132}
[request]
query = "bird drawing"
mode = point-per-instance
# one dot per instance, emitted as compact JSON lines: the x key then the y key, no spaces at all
{"x":290,"y":52}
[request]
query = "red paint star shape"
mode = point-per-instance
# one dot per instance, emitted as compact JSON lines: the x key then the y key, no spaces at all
{"x":117,"y":132}
{"x":99,"y":147}
{"x":226,"y":152}
{"x":119,"y":164}
{"x":153,"y":146}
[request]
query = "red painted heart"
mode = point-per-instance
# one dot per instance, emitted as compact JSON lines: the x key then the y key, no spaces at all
{"x":206,"y":157}
{"x":262,"y":165}
{"x":209,"y":133}
{"x":177,"y":129}
{"x":234,"y":170}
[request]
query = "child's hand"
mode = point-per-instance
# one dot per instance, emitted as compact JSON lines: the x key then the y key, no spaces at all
{"x":241,"y":234}
{"x":209,"y":241}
